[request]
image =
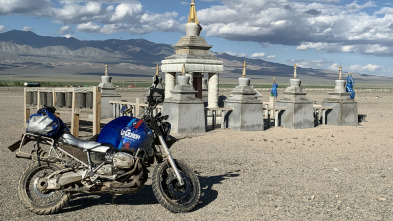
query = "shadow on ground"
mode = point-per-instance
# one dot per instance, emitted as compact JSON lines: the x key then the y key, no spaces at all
{"x":82,"y":201}
{"x":146,"y":196}
{"x":208,"y":194}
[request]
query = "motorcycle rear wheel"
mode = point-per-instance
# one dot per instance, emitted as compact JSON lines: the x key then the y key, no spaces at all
{"x":172,"y":196}
{"x":33,"y":197}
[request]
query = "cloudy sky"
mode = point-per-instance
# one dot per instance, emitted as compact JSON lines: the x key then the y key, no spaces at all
{"x":323,"y":34}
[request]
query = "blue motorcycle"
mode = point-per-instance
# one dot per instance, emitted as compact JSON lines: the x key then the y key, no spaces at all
{"x":115,"y":162}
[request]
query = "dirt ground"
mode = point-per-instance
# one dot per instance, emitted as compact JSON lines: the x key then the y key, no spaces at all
{"x":322,"y":173}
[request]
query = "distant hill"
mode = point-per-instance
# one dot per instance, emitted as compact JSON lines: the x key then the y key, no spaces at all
{"x":25,"y":55}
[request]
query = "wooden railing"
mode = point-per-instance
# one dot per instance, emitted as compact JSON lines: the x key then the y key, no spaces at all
{"x":222,"y":112}
{"x":137,"y":108}
{"x":321,"y":112}
{"x":33,"y":97}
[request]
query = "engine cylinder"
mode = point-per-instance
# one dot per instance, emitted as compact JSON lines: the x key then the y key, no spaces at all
{"x":123,"y":160}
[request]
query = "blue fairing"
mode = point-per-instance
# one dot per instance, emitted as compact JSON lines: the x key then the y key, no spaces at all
{"x":126,"y":133}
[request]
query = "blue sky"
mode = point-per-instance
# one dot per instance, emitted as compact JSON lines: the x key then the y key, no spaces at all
{"x":323,"y":34}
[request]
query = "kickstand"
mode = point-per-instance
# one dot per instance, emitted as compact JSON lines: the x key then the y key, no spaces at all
{"x":113,"y":199}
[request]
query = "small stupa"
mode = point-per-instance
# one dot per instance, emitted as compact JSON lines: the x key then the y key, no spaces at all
{"x":186,"y":112}
{"x":345,"y":109}
{"x":107,"y":93}
{"x":247,"y":114}
{"x":299,"y":112}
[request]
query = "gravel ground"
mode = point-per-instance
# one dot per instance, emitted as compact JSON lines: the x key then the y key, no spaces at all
{"x":323,"y":173}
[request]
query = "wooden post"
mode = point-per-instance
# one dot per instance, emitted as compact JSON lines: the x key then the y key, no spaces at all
{"x":38,"y":98}
{"x":114,"y":110}
{"x":276,"y":119}
{"x":96,"y":111}
{"x":54,"y":97}
{"x":27,"y":115}
{"x":74,"y":116}
{"x":214,"y":113}
{"x":137,"y":107}
{"x":223,"y":119}
{"x":27,"y":111}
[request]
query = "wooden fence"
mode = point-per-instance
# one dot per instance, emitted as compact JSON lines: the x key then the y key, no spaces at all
{"x":71,"y":98}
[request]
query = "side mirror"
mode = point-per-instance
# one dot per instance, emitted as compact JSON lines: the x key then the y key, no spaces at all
{"x":156,"y":81}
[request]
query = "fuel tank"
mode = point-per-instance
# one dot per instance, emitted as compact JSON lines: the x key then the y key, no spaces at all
{"x":126,"y":134}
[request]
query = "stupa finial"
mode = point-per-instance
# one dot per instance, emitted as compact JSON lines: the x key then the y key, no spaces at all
{"x":183,"y":70}
{"x":244,"y":69}
{"x":106,"y":70}
{"x":192,"y":18}
{"x":340,"y":73}
{"x":294,"y":71}
{"x":157,"y":70}
{"x":274,"y":80}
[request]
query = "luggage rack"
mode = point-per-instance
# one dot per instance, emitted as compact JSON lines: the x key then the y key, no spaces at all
{"x":38,"y":152}
{"x":48,"y":152}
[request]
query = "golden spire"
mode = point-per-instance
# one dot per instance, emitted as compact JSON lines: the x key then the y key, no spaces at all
{"x":192,"y":18}
{"x":183,"y":70}
{"x":106,"y":70}
{"x":157,"y":70}
{"x":274,"y":79}
{"x":294,"y":71}
{"x":340,"y":72}
{"x":244,"y":69}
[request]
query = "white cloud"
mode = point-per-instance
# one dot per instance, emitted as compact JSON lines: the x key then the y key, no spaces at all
{"x":364,"y":68}
{"x":111,"y":16}
{"x":64,"y":29}
{"x":334,"y":67}
{"x":110,"y":8}
{"x":236,"y":54}
{"x":126,"y":11}
{"x":112,"y":28}
{"x":315,"y":63}
{"x":27,"y":28}
{"x":271,"y":56}
{"x":76,"y":12}
{"x":2,"y":27}
{"x":374,"y":49}
{"x":258,"y":55}
{"x":320,"y":25}
{"x":68,"y":36}
{"x":88,"y":27}
{"x":22,"y":6}
{"x":262,"y":55}
{"x":354,"y":6}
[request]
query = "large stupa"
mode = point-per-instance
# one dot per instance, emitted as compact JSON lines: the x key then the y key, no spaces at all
{"x":192,"y":51}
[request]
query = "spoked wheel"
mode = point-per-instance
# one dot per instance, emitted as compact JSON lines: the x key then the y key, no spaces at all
{"x":173,"y":196}
{"x":32,"y":193}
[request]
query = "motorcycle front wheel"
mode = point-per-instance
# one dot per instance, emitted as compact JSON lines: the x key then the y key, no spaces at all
{"x":171,"y":195}
{"x":32,"y":193}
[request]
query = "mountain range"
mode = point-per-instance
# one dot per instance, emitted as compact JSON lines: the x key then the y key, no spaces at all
{"x":27,"y":56}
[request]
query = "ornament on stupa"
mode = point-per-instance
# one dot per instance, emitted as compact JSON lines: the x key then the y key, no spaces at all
{"x":192,"y":50}
{"x":294,"y":71}
{"x":192,"y":17}
{"x":244,"y":69}
{"x":340,"y":73}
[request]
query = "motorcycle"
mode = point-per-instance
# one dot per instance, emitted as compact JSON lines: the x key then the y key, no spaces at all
{"x":115,"y":162}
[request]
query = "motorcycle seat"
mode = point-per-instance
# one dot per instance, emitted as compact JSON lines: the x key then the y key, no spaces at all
{"x":82,"y":144}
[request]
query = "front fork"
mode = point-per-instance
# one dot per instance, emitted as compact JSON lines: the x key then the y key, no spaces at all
{"x":170,"y":160}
